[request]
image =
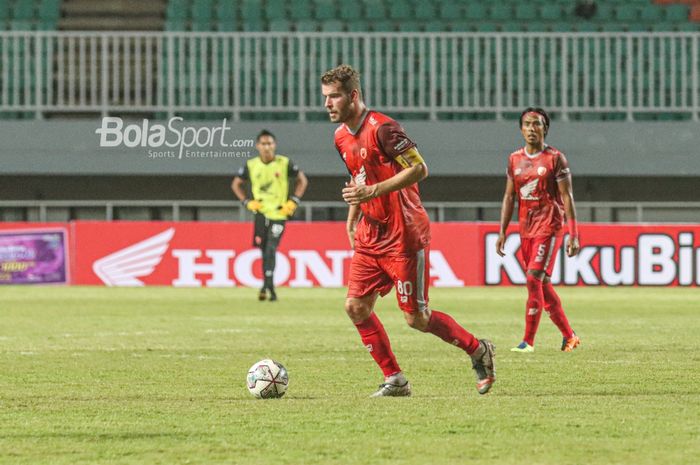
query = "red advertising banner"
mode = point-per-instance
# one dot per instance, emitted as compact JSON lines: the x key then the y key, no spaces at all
{"x":317,"y":254}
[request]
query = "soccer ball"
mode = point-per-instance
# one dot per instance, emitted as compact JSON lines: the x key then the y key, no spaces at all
{"x":267,"y":379}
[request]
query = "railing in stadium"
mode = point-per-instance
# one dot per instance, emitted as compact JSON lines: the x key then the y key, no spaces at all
{"x":217,"y":210}
{"x":432,"y":74}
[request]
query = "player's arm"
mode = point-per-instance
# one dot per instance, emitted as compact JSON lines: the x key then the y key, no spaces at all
{"x":506,"y":214}
{"x":238,"y":188}
{"x":567,"y":194}
{"x":300,"y":185}
{"x":353,"y":217}
{"x":414,"y":170}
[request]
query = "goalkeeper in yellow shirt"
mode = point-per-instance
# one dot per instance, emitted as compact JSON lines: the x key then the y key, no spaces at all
{"x":269,"y":175}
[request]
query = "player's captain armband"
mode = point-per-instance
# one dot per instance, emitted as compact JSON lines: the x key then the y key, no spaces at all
{"x":410,"y":157}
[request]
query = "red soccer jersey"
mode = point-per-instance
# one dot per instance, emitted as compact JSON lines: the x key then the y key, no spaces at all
{"x":536,"y":178}
{"x":394,"y":223}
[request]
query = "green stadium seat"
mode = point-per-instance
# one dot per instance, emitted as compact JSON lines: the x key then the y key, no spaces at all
{"x":46,"y":24}
{"x":351,"y":11}
{"x":325,"y":10}
{"x":663,"y":26}
{"x":538,"y":26}
{"x":280,"y":25}
{"x":626,"y":13}
{"x":332,"y":25}
{"x":474,"y":11}
{"x":177,"y":10}
{"x":450,"y":11}
{"x":436,"y":26}
{"x":300,"y":10}
{"x":307,"y":25}
{"x":383,"y":26}
{"x":275,"y":9}
{"x":176,"y":25}
{"x":201,"y":26}
{"x":551,"y":12}
{"x":425,"y":11}
{"x":227,"y":25}
{"x":501,"y":12}
{"x":410,"y":26}
{"x":485,"y":26}
{"x":358,"y":26}
{"x":251,"y":10}
{"x":676,"y":13}
{"x":687,"y":26}
{"x":202,"y":10}
{"x":462,"y":26}
{"x":4,"y":10}
{"x":23,"y":10}
{"x":254,"y":25}
{"x":637,"y":27}
{"x":49,"y":9}
{"x":586,"y":26}
{"x":604,"y":12}
{"x":651,"y":13}
{"x":400,"y":9}
{"x":21,"y":25}
{"x":525,"y":12}
{"x":226,"y":10}
{"x":513,"y":26}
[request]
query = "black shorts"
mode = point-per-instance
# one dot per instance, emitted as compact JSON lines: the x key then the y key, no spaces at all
{"x":267,"y":231}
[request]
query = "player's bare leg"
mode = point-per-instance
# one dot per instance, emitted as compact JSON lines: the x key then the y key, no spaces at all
{"x":481,"y":352}
{"x":374,"y":337}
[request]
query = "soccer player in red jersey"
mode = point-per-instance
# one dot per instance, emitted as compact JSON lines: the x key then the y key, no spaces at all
{"x":392,"y":238}
{"x":540,"y":175}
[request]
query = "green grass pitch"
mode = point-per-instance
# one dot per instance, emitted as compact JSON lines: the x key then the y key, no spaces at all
{"x":157,"y":376}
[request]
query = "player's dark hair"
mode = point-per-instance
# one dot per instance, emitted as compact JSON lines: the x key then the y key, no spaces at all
{"x":346,"y":75}
{"x":264,"y":133}
{"x":539,"y":111}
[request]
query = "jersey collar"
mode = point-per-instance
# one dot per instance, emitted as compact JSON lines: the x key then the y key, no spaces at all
{"x":534,"y":155}
{"x":359,"y":125}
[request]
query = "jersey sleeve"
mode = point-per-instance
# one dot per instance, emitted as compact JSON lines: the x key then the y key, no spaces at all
{"x":509,"y":168}
{"x":561,"y":169}
{"x":292,"y":169}
{"x":392,"y":139}
{"x":243,"y":172}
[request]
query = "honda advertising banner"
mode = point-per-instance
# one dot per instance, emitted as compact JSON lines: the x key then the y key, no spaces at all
{"x":200,"y":254}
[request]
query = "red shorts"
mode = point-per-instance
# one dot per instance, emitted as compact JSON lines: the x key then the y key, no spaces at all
{"x":409,"y":273}
{"x":539,"y":253}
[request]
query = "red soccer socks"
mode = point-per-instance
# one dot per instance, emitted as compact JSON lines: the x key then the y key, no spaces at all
{"x":446,"y":328}
{"x":376,"y":341}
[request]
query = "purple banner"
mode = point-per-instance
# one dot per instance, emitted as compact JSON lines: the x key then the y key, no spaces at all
{"x":33,"y":257}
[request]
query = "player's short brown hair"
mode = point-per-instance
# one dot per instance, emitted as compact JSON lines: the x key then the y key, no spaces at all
{"x":346,"y":75}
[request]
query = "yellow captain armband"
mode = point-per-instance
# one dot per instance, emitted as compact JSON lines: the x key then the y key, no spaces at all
{"x":410,"y":157}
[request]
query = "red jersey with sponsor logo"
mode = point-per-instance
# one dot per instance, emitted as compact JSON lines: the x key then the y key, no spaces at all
{"x":394,"y":223}
{"x":536,"y":178}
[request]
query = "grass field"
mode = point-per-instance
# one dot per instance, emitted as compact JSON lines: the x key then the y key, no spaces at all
{"x":157,"y":376}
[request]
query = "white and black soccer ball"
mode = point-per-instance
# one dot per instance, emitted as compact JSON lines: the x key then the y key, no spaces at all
{"x":268,"y":379}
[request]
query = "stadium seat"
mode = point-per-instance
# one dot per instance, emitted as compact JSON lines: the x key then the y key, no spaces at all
{"x":474,"y":11}
{"x":49,"y":9}
{"x":226,"y":10}
{"x":651,"y":13}
{"x":325,"y":10}
{"x":410,"y":26}
{"x":333,"y":25}
{"x":280,"y":25}
{"x":307,"y":25}
{"x":551,"y":12}
{"x":500,"y":12}
{"x":23,"y":10}
{"x":400,"y":9}
{"x":275,"y":9}
{"x":358,"y":26}
{"x":525,"y":12}
{"x":350,"y":11}
{"x":626,"y":13}
{"x":425,"y":11}
{"x":676,"y":13}
{"x":383,"y":26}
{"x":227,"y":25}
{"x":300,"y":9}
{"x":435,"y":26}
{"x":251,"y":10}
{"x":450,"y":11}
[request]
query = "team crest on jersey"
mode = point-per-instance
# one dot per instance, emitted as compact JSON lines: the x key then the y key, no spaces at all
{"x":361,"y":177}
{"x":363,"y":153}
{"x":518,"y":171}
{"x":527,"y":190}
{"x":541,"y":171}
